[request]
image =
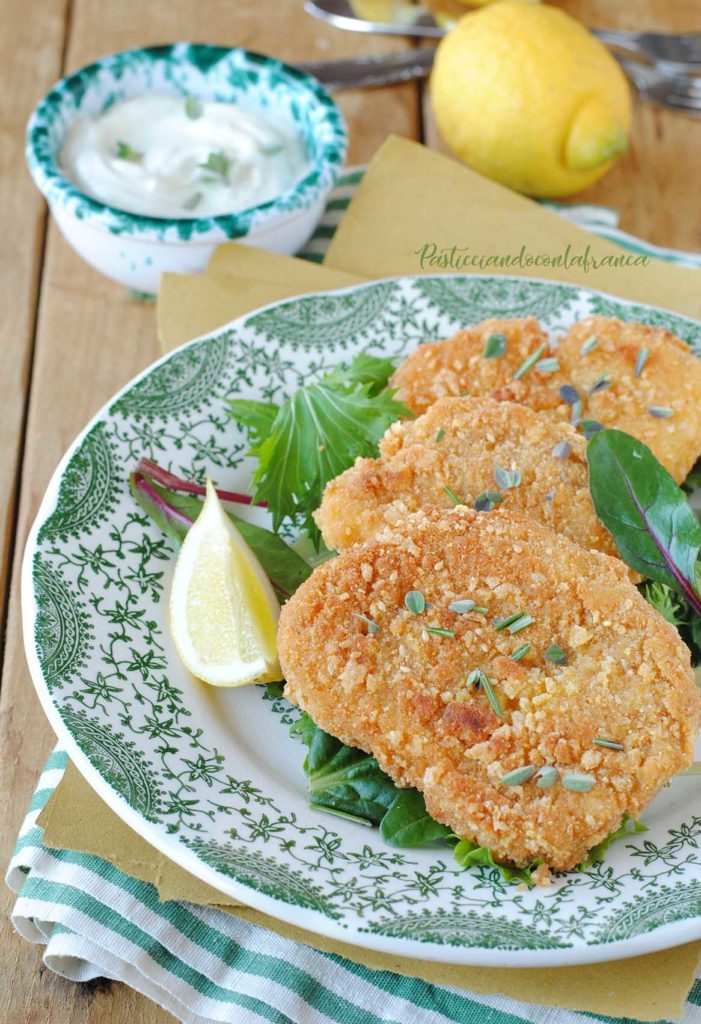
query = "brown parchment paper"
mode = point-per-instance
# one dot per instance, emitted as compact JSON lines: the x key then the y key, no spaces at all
{"x":409,"y":197}
{"x":412,"y":196}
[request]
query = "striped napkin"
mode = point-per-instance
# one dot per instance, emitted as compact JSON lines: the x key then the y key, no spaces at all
{"x":204,"y":965}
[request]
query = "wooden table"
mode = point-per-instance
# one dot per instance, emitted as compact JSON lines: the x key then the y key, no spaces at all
{"x":72,"y":338}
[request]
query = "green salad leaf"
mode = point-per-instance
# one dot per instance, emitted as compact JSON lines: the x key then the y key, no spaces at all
{"x":469,"y":855}
{"x":408,"y":823}
{"x":666,"y":601}
{"x":316,"y":434}
{"x":693,"y":480}
{"x":676,"y":611}
{"x":256,"y":417}
{"x":645,"y":511}
{"x":175,"y":513}
{"x":368,"y":370}
{"x":343,"y":778}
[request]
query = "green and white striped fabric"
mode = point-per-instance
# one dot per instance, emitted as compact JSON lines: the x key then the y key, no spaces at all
{"x":204,"y":965}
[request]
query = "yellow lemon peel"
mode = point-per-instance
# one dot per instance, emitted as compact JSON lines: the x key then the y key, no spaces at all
{"x":527,"y":96}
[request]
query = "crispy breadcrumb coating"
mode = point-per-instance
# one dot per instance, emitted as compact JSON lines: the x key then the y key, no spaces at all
{"x":457,"y":366}
{"x":610,"y":390}
{"x":670,"y":379}
{"x":454,"y":449}
{"x":401,"y":692}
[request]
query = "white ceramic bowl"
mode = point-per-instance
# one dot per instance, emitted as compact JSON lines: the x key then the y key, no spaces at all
{"x":135,"y":250}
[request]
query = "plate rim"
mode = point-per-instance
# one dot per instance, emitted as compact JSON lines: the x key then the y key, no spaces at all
{"x":665,"y":936}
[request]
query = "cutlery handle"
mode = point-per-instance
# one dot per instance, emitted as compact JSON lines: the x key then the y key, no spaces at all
{"x":388,"y":69}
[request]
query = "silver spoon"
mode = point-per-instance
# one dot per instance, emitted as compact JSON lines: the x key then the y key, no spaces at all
{"x":673,"y":53}
{"x":676,"y":92}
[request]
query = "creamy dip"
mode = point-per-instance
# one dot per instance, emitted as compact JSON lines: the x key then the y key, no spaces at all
{"x":176,"y":156}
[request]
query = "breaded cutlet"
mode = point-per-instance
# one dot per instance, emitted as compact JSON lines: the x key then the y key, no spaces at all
{"x":640,"y":379}
{"x":660,"y":404}
{"x":379,"y":677}
{"x":454,"y":453}
{"x":457,"y":366}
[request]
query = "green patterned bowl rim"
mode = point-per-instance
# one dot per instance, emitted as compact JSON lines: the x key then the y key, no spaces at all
{"x":664,"y":935}
{"x":328,"y":143}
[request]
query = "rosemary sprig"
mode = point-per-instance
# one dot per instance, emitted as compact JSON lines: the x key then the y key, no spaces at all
{"x":518,"y":776}
{"x":529,"y":362}
{"x":453,"y":496}
{"x":521,"y":652}
{"x":640,"y":361}
{"x":479,"y":680}
{"x":506,"y":478}
{"x":486,"y":501}
{"x":463,"y":607}
{"x":439,"y":631}
{"x":514,"y":623}
{"x":609,"y":744}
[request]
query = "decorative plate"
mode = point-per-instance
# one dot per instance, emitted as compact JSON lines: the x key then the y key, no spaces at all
{"x":211,"y":777}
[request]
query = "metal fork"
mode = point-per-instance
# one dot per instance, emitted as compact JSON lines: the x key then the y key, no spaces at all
{"x":671,"y":53}
{"x":674,"y":91}
{"x":677,"y":92}
{"x":674,"y":53}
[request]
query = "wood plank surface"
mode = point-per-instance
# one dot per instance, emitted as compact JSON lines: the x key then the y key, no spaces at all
{"x":91,"y":338}
{"x":31,"y":53}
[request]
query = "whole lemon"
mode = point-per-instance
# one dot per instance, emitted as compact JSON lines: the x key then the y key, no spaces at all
{"x":527,"y":96}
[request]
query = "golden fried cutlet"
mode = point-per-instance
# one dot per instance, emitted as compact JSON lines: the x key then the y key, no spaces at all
{"x":454,"y":451}
{"x":376,"y":676}
{"x":457,"y":366}
{"x":658,"y":401}
{"x":669,"y":381}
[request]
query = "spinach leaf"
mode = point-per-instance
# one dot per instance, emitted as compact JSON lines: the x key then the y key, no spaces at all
{"x":646,"y":513}
{"x":343,"y":778}
{"x":348,"y":781}
{"x":408,"y":823}
{"x":175,"y":513}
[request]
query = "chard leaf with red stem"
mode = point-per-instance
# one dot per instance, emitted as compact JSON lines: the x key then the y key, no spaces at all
{"x":646,"y":513}
{"x":175,"y":513}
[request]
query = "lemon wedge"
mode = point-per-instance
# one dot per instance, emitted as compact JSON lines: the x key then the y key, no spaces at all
{"x":223,"y":610}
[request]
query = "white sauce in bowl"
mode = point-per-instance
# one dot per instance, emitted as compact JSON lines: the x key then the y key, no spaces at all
{"x":177,"y":157}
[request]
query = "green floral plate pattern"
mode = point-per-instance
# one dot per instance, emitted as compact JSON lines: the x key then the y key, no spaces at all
{"x":211,"y":777}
